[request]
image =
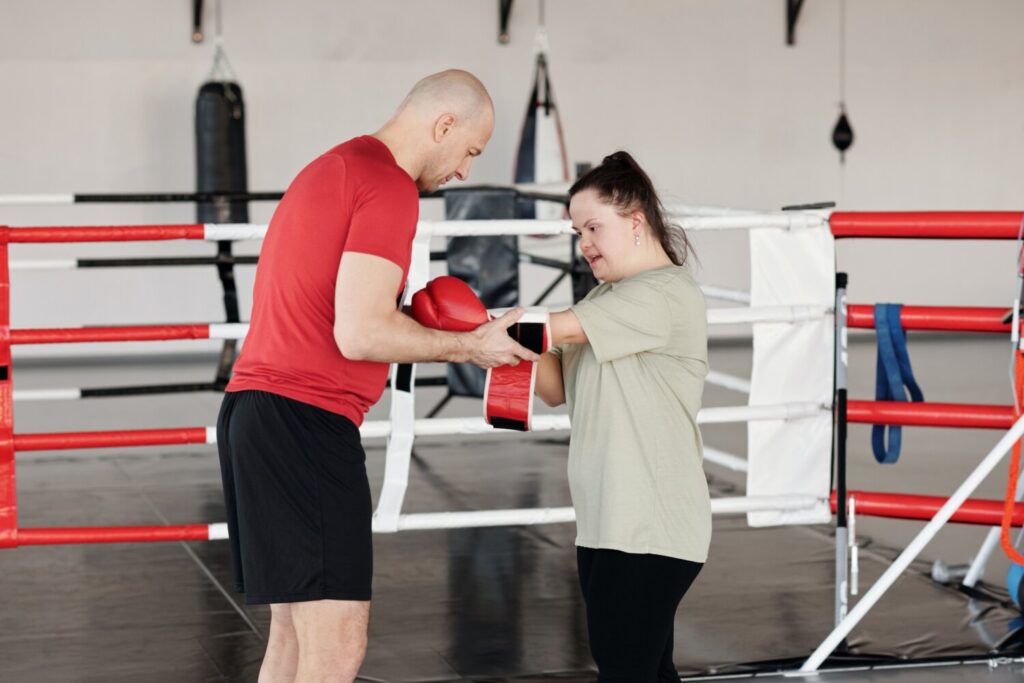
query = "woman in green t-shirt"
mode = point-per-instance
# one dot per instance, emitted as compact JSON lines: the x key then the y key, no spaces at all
{"x":631,"y":368}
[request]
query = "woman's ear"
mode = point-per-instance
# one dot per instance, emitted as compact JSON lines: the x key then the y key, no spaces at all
{"x":638,"y":219}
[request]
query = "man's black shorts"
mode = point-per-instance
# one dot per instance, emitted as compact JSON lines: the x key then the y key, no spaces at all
{"x":298,"y":501}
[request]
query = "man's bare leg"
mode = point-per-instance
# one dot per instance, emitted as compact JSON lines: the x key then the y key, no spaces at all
{"x":282,"y":657}
{"x":332,"y":639}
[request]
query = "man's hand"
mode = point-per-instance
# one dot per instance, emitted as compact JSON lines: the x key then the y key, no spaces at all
{"x":492,"y":346}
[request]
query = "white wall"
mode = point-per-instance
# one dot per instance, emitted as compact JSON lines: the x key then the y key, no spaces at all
{"x":98,"y":97}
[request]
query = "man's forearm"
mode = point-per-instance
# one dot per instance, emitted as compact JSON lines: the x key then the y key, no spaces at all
{"x":398,"y":338}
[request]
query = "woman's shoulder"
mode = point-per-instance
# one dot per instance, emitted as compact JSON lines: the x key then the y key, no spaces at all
{"x":598,"y":290}
{"x":668,"y":278}
{"x":670,"y":281}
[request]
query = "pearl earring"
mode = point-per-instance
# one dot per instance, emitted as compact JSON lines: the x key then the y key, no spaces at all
{"x":637,"y":240}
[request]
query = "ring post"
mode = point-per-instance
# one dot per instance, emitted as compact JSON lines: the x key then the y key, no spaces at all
{"x":8,"y":489}
{"x":842,"y":531}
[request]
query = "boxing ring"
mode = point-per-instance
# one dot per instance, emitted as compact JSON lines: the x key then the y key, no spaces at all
{"x":796,"y":418}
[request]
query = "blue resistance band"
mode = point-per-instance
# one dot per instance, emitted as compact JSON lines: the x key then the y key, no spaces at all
{"x":893,"y":372}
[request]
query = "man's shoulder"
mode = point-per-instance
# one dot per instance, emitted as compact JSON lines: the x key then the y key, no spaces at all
{"x":357,"y":173}
{"x":367,"y":157}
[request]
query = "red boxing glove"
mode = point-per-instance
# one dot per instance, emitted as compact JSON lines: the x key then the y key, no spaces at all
{"x":508,"y":396}
{"x":448,"y":303}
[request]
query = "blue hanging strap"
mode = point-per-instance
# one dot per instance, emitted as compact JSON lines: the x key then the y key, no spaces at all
{"x":899,"y":339}
{"x":892,"y":374}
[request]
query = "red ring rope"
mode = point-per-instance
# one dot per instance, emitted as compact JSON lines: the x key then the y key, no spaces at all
{"x":910,"y":506}
{"x":930,"y":414}
{"x":935,"y":318}
{"x":124,"y":534}
{"x":106,"y":233}
{"x":109,"y":439}
{"x":109,"y":334}
{"x":927,"y":224}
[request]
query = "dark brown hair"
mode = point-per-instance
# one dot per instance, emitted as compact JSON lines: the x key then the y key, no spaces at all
{"x":621,"y":182}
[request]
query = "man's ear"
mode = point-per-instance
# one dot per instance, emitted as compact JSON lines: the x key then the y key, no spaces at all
{"x":443,"y":126}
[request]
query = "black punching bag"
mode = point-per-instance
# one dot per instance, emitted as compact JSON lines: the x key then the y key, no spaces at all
{"x":220,"y":167}
{"x":220,"y":151}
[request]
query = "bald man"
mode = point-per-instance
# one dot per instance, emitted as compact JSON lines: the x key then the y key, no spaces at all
{"x":326,"y":322}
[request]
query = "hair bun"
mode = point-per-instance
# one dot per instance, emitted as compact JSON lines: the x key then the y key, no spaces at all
{"x":620,"y":157}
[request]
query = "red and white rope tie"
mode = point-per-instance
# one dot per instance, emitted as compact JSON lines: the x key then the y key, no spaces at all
{"x":129,"y":333}
{"x":123,"y":534}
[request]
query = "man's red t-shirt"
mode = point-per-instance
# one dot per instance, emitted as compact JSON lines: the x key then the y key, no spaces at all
{"x":352,"y":198}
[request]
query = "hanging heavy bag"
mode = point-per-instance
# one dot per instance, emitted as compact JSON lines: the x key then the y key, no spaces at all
{"x":220,"y":151}
{"x":221,"y":167}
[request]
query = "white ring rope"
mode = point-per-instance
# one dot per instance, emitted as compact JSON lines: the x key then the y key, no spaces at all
{"x":21,"y":395}
{"x":766,"y":314}
{"x":36,"y":199}
{"x":684,"y":210}
{"x":725,"y":381}
{"x":448,"y":426}
{"x":723,"y":294}
{"x":785,"y":221}
{"x":710,"y":291}
{"x":41,"y":264}
{"x":253,"y":231}
{"x":70,"y":394}
{"x":534,"y":516}
{"x":716,"y":316}
{"x":723,"y":459}
{"x":674,"y":210}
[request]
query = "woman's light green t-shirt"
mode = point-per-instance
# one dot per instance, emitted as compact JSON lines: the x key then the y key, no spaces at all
{"x":633,"y":392}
